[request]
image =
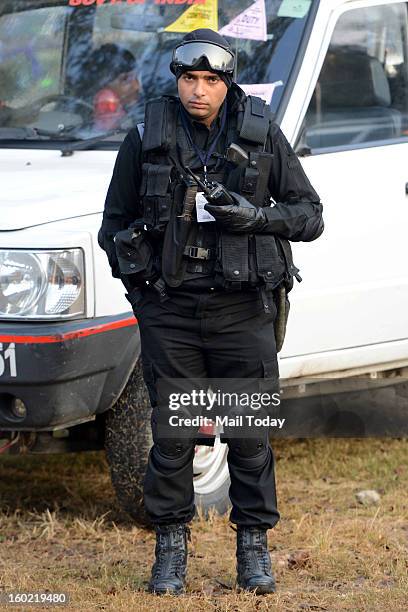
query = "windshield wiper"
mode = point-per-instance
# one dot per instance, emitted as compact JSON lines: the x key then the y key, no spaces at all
{"x":80,"y":145}
{"x":72,"y":143}
{"x":21,"y":133}
{"x":29,"y":133}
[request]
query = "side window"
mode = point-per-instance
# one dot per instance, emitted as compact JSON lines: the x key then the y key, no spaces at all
{"x":361,"y":95}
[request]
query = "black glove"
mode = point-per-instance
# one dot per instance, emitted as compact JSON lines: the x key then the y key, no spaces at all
{"x":241,"y":217}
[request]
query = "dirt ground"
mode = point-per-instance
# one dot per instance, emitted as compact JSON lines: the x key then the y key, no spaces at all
{"x":62,"y":531}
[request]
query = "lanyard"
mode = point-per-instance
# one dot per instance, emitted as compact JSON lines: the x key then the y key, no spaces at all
{"x":203,"y":155}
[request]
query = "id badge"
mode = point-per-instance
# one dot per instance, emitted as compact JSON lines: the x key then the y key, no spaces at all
{"x":203,"y":216}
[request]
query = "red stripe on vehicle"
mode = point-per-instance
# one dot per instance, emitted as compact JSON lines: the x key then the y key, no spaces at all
{"x":80,"y":333}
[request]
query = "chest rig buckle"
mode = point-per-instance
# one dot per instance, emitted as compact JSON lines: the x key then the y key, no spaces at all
{"x":197,"y":252}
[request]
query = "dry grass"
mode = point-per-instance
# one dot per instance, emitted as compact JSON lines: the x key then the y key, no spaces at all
{"x":61,"y":530}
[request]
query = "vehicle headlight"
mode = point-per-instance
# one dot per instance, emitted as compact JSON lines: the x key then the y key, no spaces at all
{"x":42,"y":284}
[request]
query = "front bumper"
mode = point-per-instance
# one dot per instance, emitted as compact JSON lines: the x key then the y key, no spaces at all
{"x":64,"y":373}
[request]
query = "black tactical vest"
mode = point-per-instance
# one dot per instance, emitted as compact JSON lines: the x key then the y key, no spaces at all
{"x":235,"y":260}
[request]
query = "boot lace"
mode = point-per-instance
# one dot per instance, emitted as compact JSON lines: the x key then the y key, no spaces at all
{"x":253,"y":551}
{"x":171,"y":552}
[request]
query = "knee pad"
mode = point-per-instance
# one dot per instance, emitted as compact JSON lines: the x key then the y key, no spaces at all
{"x":169,"y":448}
{"x":248,"y":450}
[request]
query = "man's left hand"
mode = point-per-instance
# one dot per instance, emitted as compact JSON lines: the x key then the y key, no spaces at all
{"x":241,"y":217}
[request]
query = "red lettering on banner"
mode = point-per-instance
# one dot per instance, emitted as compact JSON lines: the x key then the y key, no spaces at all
{"x":99,"y":2}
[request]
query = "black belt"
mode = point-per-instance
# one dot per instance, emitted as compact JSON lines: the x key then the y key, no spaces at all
{"x":197,"y":252}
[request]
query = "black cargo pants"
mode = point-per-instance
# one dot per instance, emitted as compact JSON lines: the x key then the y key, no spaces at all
{"x":214,"y":334}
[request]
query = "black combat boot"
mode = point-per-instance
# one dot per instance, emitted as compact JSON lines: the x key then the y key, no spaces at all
{"x":169,"y":569}
{"x":253,"y":561}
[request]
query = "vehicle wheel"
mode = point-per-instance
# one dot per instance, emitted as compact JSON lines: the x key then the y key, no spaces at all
{"x":128,"y":440}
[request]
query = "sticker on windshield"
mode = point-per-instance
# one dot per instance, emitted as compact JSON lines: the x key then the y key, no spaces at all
{"x":199,"y":15}
{"x":250,"y":24}
{"x":262,"y":90}
{"x":294,"y":8}
{"x":98,"y":2}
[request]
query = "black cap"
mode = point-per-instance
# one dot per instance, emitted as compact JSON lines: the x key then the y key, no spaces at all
{"x":205,"y":35}
{"x":208,"y":36}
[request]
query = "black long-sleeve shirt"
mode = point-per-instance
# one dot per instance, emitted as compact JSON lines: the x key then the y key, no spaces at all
{"x":297,"y":214}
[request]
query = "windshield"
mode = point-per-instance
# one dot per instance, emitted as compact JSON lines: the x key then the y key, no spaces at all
{"x":83,"y":68}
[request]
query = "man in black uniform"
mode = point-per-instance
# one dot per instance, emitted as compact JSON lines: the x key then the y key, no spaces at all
{"x":205,"y":288}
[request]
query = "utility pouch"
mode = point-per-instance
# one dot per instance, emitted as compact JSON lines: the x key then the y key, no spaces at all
{"x":156,"y":196}
{"x":254,"y":183}
{"x":281,"y":292}
{"x":231,"y":265}
{"x":251,"y":180}
{"x":291,"y":270}
{"x":135,"y":255}
{"x":281,"y":321}
{"x":155,"y":179}
{"x":249,"y":183}
{"x":270,"y":266}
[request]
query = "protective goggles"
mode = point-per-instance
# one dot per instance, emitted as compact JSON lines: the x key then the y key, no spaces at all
{"x":190,"y":53}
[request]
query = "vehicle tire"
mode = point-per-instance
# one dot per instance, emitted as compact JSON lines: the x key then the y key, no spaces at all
{"x":128,"y":440}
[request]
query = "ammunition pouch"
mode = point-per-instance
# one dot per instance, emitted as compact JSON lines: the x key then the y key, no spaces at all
{"x":253,"y":259}
{"x":156,"y":196}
